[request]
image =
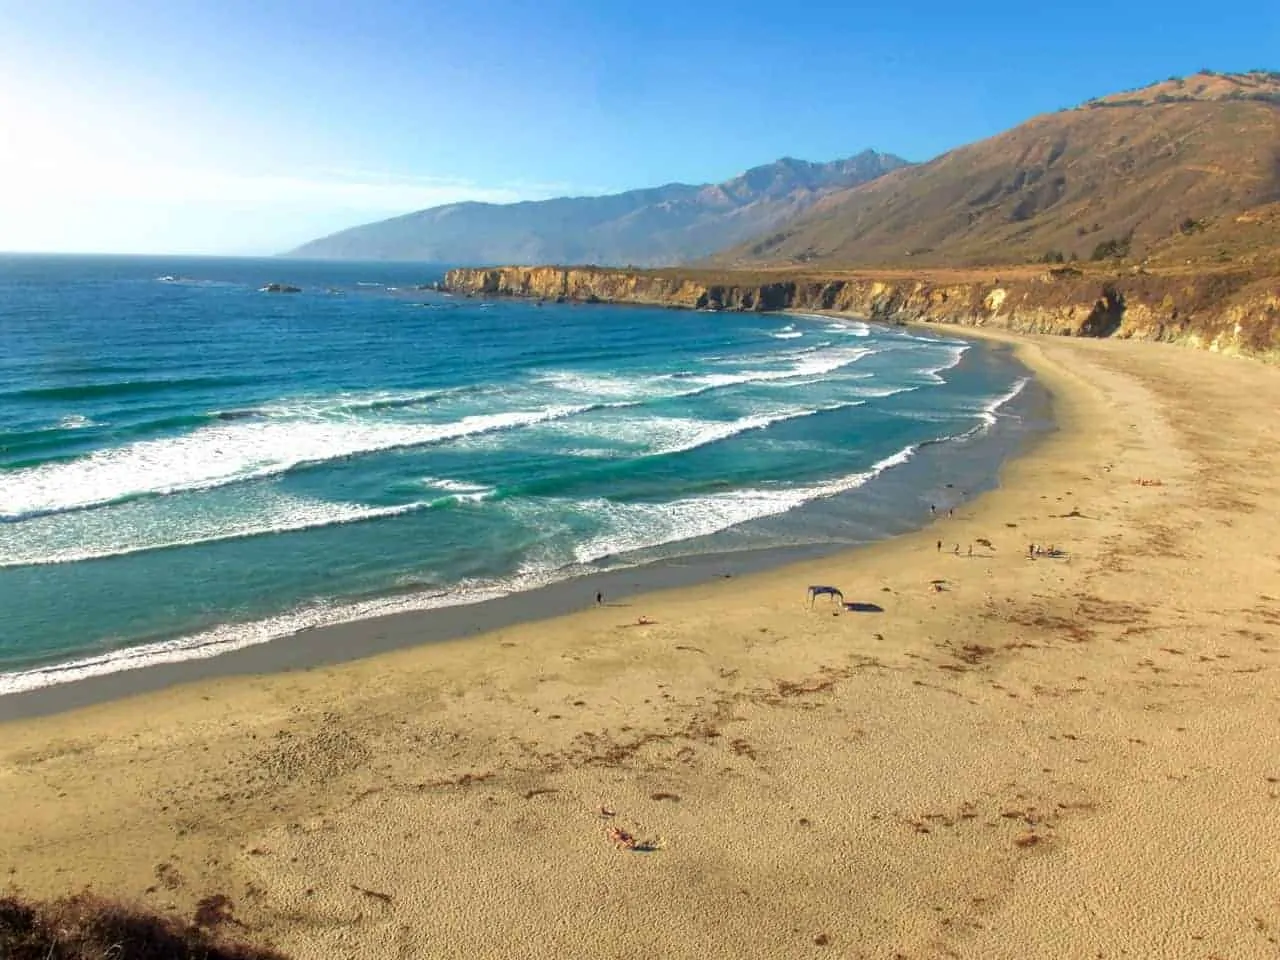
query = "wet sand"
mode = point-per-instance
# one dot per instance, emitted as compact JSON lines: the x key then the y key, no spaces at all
{"x":986,"y":756}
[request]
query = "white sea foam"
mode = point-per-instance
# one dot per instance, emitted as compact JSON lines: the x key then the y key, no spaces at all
{"x":850,"y":329}
{"x":460,"y":490}
{"x":592,"y":385}
{"x":992,"y":407}
{"x":878,"y":392}
{"x":807,"y":362}
{"x":773,"y":355}
{"x":139,"y":528}
{"x":236,"y":636}
{"x":661,"y":436}
{"x":667,"y":435}
{"x":683,"y":519}
{"x":455,"y":486}
{"x":230,"y":452}
{"x":955,"y":352}
{"x":75,"y":422}
{"x":637,"y":526}
{"x":336,"y":405}
{"x":843,"y":325}
{"x":988,"y":414}
{"x":806,"y":365}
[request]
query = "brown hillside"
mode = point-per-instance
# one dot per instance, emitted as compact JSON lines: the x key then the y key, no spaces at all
{"x":1172,"y":170}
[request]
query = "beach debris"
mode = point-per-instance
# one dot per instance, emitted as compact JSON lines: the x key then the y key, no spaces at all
{"x":622,"y":838}
{"x":375,"y":894}
{"x":984,"y":542}
{"x":628,"y":841}
{"x":607,"y":811}
{"x":663,"y":795}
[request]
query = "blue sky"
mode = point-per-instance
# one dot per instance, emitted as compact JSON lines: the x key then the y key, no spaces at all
{"x":240,"y":127}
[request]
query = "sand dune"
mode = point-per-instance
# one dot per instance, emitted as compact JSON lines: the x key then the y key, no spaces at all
{"x":1051,"y":757}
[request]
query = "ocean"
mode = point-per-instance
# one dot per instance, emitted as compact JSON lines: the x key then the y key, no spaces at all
{"x":189,"y":464}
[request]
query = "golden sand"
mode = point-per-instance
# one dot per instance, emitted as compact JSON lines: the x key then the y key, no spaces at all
{"x":1056,"y":757}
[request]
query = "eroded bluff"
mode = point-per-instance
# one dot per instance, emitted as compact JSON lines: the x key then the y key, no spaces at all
{"x":1226,"y":312}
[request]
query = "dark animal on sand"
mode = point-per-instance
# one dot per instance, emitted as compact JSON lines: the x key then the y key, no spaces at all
{"x":819,"y":591}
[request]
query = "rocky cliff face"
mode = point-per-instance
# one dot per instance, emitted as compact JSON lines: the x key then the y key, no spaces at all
{"x":1230,"y":313}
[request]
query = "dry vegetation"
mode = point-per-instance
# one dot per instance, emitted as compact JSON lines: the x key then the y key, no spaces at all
{"x":1171,"y":169}
{"x":87,"y":927}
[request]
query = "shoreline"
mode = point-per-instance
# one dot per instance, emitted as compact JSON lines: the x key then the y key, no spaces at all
{"x":343,"y":641}
{"x":993,"y":756}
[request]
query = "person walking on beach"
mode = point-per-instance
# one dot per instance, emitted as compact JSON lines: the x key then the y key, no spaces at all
{"x":939,"y":546}
{"x":971,"y":551}
{"x":599,"y":598}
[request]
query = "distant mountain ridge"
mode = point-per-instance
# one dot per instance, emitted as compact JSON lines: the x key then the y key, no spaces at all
{"x":655,"y":226}
{"x":1185,"y":169}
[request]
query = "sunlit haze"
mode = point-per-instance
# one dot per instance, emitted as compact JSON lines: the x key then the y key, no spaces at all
{"x":249,"y":128}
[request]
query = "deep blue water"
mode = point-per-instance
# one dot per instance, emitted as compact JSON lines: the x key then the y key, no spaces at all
{"x":188,"y":463}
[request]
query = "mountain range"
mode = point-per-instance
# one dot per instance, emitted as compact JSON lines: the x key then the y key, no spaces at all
{"x":1188,"y":168}
{"x":657,"y":226}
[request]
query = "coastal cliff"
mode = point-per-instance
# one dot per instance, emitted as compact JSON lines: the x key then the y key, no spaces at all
{"x":1226,"y":312}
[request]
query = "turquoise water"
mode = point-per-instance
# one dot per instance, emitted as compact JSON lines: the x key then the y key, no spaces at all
{"x":188,"y":464}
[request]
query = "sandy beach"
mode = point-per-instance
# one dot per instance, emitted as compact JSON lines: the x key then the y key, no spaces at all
{"x":986,"y":755}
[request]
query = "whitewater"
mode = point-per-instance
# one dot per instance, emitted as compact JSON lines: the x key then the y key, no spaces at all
{"x":189,"y":465}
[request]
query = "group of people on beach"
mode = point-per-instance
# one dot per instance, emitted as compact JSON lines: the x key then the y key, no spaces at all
{"x":956,"y":549}
{"x":1036,"y":550}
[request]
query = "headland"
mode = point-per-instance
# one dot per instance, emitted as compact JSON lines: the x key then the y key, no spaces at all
{"x":1226,"y":311}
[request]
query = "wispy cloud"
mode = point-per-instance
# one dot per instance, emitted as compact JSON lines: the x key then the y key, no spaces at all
{"x":65,"y":178}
